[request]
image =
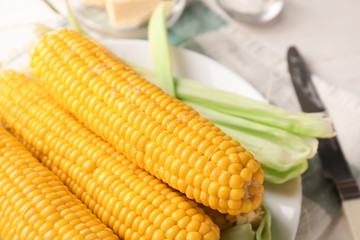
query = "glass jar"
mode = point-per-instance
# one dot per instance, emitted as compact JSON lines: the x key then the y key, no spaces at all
{"x":122,"y":18}
{"x":252,"y":11}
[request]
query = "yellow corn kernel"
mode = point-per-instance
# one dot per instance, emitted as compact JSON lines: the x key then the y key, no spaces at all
{"x":133,"y":109}
{"x":45,"y":214}
{"x":122,"y":195}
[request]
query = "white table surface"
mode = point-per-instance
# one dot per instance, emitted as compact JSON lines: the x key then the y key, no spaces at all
{"x":326,"y":31}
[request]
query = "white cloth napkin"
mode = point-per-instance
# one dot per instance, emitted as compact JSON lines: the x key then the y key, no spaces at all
{"x":268,"y":73}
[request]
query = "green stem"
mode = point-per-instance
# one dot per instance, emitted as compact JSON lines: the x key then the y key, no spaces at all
{"x":160,"y":51}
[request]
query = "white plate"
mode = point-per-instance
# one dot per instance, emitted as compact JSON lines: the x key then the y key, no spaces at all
{"x":283,"y":200}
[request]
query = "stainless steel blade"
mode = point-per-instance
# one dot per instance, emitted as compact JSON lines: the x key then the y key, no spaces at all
{"x":305,"y":90}
{"x":332,"y":158}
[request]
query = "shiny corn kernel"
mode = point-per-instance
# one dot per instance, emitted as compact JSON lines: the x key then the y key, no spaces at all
{"x":181,"y":235}
{"x":237,"y":194}
{"x":246,"y":174}
{"x":193,"y":226}
{"x":224,"y":192}
{"x":259,"y":176}
{"x":183,"y":222}
{"x":224,"y":178}
{"x":236,"y":182}
{"x":246,"y":204}
{"x":210,"y":235}
{"x":193,"y":236}
{"x":213,"y":202}
{"x":253,"y":165}
{"x":172,"y":232}
{"x":234,"y":204}
{"x":235,"y":168}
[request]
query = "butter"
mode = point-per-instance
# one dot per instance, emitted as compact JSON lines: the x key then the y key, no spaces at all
{"x":130,"y":13}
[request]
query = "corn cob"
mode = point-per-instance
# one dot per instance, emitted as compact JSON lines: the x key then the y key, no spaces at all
{"x":133,"y":203}
{"x":156,"y":131}
{"x":35,"y":204}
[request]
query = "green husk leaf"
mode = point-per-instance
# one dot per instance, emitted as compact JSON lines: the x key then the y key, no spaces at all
{"x":243,"y":232}
{"x":73,"y":22}
{"x":299,"y":147}
{"x":279,"y":177}
{"x":271,"y":156}
{"x":263,"y":232}
{"x":299,"y":123}
{"x":307,"y":124}
{"x":160,"y":51}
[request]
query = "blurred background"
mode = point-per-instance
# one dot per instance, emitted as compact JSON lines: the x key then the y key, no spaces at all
{"x":326,"y":31}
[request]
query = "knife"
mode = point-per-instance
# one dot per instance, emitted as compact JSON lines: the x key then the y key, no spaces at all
{"x":331,"y":156}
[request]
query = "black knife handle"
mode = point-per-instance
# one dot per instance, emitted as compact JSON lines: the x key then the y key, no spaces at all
{"x":336,"y":168}
{"x":348,"y":189}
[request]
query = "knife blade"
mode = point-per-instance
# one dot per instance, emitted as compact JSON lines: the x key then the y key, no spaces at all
{"x":332,"y":158}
